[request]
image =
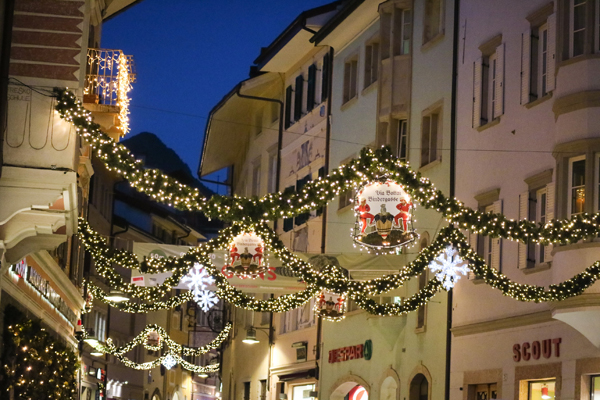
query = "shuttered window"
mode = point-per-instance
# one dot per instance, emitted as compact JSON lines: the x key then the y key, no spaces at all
{"x":312,"y":84}
{"x":298,"y":94}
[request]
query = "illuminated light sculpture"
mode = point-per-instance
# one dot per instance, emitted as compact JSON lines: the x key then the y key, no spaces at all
{"x":169,"y":361}
{"x":198,"y":280}
{"x":384,"y":216}
{"x":246,"y":256}
{"x":448,"y":266}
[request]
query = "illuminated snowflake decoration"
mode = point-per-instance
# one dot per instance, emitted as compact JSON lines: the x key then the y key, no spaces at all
{"x":205,"y":299}
{"x":197,"y":280}
{"x":448,"y":266}
{"x":169,"y":361}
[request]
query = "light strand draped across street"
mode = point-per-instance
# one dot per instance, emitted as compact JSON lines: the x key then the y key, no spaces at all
{"x":253,"y":213}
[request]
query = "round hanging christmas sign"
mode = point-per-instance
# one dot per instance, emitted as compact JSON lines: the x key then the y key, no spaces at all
{"x":246,"y":256}
{"x":384,"y":215}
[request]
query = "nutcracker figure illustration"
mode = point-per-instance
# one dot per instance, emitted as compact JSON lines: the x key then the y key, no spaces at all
{"x":387,"y":229}
{"x":250,"y":262}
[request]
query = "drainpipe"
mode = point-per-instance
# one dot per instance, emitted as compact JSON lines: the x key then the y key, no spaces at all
{"x":327,"y":147}
{"x":279,"y":137}
{"x":452,"y":184}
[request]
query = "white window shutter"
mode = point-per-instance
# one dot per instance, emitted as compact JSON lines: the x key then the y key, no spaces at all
{"x":551,"y":54}
{"x":525,"y":66}
{"x":496,"y":242}
{"x":499,"y":103}
{"x":549,"y":217}
{"x":477,"y":71}
{"x":523,"y":214}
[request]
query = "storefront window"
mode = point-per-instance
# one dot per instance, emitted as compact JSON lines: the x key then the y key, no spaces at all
{"x":302,"y":392}
{"x":595,"y":387}
{"x":539,"y":390}
{"x":357,"y":393}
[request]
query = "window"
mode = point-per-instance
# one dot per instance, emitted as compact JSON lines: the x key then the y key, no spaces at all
{"x":371,"y":63}
{"x":298,"y":95}
{"x":430,"y":138}
{"x":577,"y":27}
{"x":288,"y":106}
{"x":350,"y":79}
{"x":402,"y":148}
{"x":246,"y":390}
{"x":488,"y":248}
{"x":302,"y":392}
{"x":486,"y":392}
{"x":346,"y":199}
{"x":488,"y":83}
{"x":256,"y":178}
{"x":595,"y":387}
{"x":402,"y":31}
{"x":311,"y":90}
{"x":537,"y":204}
{"x":177,"y":320}
{"x":433,"y":23}
{"x":100,"y":326}
{"x":299,"y":318}
{"x":263,"y":389}
{"x":576,"y":188}
{"x":419,"y":388}
{"x":538,"y":51}
{"x":538,"y":390}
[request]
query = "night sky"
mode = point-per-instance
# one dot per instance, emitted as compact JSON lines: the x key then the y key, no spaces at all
{"x":188,"y":55}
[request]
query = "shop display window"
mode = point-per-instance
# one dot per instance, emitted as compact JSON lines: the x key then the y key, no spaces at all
{"x":595,"y":387}
{"x":486,"y":392}
{"x":302,"y":392}
{"x":539,"y":390}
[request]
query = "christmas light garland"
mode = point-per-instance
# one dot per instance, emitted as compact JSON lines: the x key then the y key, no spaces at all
{"x":171,"y":345}
{"x":35,"y":364}
{"x":252,"y":213}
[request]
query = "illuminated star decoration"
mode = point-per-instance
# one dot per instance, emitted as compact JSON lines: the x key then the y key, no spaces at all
{"x":169,"y":361}
{"x":197,"y":280}
{"x":448,"y":266}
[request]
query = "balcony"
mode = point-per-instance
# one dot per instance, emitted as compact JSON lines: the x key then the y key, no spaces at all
{"x":108,"y":80}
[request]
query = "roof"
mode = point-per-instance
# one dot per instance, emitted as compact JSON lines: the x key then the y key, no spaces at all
{"x":347,"y":9}
{"x":299,"y":24}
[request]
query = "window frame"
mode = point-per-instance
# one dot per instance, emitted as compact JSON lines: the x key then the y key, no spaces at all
{"x":426,"y":22}
{"x":350,"y":89}
{"x":402,"y":139}
{"x":431,"y":142}
{"x":371,"y":67}
{"x":572,"y":6}
{"x":570,"y":187}
{"x":402,"y":42}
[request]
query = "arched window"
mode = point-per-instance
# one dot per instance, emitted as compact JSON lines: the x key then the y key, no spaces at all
{"x":419,"y":388}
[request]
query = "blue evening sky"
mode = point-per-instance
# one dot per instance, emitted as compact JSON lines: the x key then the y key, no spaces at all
{"x":188,"y":55}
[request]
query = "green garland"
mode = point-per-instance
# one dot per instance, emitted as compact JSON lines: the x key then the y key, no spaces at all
{"x":369,"y":166}
{"x":36,"y":365}
{"x":253,"y":213}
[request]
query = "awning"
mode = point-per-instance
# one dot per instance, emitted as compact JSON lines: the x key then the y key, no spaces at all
{"x":310,"y":373}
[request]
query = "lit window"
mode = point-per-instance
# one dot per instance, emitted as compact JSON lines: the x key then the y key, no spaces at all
{"x":402,"y":31}
{"x":595,"y":387}
{"x":576,"y":186}
{"x":538,"y":390}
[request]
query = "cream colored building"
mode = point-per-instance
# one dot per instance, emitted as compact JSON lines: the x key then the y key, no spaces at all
{"x":398,"y":93}
{"x":275,"y":140}
{"x":527,"y":116}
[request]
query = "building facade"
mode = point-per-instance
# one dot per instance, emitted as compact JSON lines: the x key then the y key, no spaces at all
{"x":527,"y":147}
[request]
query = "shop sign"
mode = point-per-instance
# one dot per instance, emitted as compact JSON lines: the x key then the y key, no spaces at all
{"x":31,"y":276}
{"x":534,"y":350}
{"x":351,"y":352}
{"x":384,"y":216}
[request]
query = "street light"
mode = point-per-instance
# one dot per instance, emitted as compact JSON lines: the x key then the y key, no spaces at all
{"x":117,"y":296}
{"x":250,"y":336}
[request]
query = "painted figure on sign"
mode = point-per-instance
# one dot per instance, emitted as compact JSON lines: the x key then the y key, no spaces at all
{"x":364,"y":215}
{"x":383,"y":222}
{"x":258,"y":255}
{"x":404,"y":208}
{"x":246,"y":258}
{"x":234,"y":254}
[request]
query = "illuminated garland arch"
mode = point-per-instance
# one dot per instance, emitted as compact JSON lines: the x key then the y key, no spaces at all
{"x":371,"y":165}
